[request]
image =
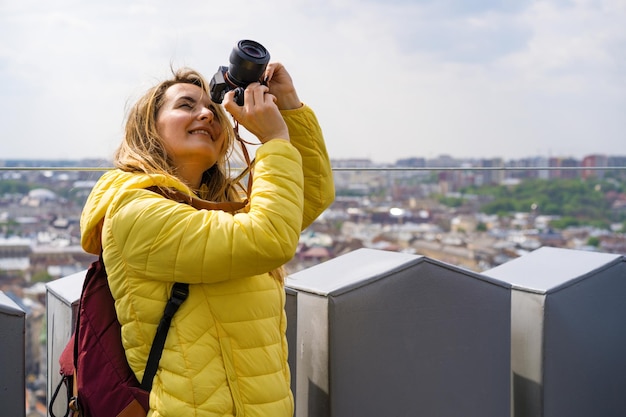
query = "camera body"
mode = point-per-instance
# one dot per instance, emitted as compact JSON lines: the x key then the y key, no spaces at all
{"x":248,"y":61}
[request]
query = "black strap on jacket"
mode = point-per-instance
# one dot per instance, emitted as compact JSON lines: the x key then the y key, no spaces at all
{"x":179,"y":294}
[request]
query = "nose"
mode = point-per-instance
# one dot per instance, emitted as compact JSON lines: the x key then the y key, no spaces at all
{"x":206,"y":114}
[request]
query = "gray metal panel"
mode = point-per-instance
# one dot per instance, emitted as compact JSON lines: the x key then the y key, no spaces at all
{"x":349,"y":271}
{"x":585,"y":347}
{"x":311,"y":349}
{"x":67,"y":289}
{"x":291,"y":309}
{"x":12,"y":357}
{"x":548,"y":269}
{"x":383,"y":333}
{"x":62,"y":298}
{"x":527,"y":356}
{"x":568,"y":339}
{"x":8,"y":307}
{"x":424,"y":341}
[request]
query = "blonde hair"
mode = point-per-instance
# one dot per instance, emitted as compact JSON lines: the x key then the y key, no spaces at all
{"x":143,"y":150}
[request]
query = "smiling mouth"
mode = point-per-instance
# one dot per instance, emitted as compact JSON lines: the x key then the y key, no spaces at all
{"x":201,"y":132}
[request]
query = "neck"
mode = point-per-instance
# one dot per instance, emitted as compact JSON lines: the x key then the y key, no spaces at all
{"x":191,"y":175}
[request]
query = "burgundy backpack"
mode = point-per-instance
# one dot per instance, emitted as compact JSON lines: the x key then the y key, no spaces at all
{"x":97,"y":377}
{"x":93,"y":366}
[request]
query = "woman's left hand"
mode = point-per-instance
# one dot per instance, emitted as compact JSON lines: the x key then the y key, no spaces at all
{"x":281,"y":86}
{"x":259,"y":114}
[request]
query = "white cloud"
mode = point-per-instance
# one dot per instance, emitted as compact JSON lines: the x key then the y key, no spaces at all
{"x":387,"y":79}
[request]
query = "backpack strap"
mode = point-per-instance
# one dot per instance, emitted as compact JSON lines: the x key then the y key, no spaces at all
{"x":180,"y":290}
{"x":179,"y":294}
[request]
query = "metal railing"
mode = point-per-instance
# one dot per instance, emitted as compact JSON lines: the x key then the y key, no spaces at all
{"x":375,"y":168}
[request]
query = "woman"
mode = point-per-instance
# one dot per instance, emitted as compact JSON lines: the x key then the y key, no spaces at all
{"x":226,"y":351}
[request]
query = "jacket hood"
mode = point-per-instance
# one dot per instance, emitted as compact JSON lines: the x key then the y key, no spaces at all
{"x":108,"y":188}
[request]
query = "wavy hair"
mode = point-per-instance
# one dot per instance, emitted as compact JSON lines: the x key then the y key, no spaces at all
{"x":143,"y":149}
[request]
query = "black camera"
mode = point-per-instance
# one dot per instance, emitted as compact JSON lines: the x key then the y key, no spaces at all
{"x":248,"y":61}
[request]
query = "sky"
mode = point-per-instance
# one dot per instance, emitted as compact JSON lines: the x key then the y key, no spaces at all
{"x":388,"y":79}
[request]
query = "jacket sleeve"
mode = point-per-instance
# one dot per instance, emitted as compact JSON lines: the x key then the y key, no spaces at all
{"x":306,"y":135}
{"x":169,"y":241}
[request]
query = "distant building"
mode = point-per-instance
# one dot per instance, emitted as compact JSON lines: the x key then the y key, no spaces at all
{"x":38,"y":196}
{"x":411,"y":162}
{"x":593,"y":161}
{"x":490,"y":177}
{"x":564,"y":163}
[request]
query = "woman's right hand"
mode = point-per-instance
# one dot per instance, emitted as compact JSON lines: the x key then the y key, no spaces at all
{"x":259,"y":113}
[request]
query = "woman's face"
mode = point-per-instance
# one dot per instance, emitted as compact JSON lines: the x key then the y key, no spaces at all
{"x":192,"y":134}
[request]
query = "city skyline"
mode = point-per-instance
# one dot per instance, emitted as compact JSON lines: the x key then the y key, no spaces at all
{"x":387,"y":79}
{"x":593,"y":160}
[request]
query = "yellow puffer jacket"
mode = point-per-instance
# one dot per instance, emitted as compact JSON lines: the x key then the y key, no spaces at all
{"x":226,"y":351}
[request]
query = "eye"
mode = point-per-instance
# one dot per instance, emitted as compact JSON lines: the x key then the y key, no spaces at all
{"x":186,"y":102}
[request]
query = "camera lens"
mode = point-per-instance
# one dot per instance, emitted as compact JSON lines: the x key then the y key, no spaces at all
{"x":248,"y":61}
{"x":253,"y":51}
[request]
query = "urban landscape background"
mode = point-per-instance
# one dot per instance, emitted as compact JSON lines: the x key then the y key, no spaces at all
{"x":473,"y":213}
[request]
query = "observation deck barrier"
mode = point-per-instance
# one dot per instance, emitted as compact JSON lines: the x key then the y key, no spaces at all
{"x":12,"y":357}
{"x":386,"y":333}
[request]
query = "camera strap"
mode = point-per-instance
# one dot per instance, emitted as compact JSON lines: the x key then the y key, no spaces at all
{"x":249,"y":163}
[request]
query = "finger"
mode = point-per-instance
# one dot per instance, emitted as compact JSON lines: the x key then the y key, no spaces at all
{"x":249,"y":95}
{"x":270,"y":96}
{"x":230,"y":105}
{"x":269,"y":73}
{"x":258,"y":92}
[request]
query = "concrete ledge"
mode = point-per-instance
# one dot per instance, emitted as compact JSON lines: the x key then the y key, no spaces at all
{"x":12,"y":357}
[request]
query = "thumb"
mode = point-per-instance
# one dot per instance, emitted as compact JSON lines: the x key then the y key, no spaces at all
{"x":231,"y":106}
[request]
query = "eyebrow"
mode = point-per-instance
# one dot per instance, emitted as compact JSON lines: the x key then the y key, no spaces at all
{"x":187,"y":98}
{"x":193,"y":100}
